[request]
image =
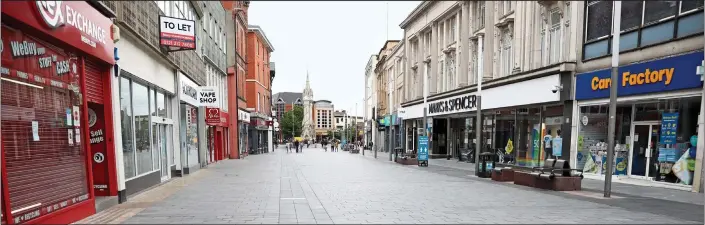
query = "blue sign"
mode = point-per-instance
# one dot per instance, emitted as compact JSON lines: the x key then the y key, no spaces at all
{"x":423,"y":149}
{"x":558,"y":146}
{"x":669,"y":125}
{"x":669,"y":74}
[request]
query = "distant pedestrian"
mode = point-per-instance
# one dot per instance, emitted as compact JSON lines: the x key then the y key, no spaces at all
{"x":296,"y":145}
{"x":306,"y":142}
{"x":325,"y":145}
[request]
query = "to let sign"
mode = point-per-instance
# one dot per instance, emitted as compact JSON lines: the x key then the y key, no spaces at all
{"x":179,"y":33}
{"x":208,"y":96}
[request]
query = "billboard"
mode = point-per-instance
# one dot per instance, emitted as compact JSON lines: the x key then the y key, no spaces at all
{"x":177,"y":34}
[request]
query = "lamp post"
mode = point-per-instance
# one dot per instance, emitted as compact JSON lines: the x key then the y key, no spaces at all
{"x":613,"y":97}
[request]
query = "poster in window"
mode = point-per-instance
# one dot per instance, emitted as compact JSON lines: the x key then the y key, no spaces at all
{"x":76,"y":116}
{"x":70,"y":137}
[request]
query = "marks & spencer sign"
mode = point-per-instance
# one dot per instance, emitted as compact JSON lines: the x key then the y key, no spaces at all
{"x":669,"y":74}
{"x":457,"y":104}
{"x":76,"y":23}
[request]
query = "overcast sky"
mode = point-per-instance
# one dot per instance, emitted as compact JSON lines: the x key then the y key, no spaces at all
{"x":333,"y":40}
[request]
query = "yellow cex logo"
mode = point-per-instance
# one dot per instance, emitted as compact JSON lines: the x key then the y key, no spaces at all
{"x":633,"y":79}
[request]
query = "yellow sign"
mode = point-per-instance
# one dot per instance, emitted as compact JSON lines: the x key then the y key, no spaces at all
{"x":510,"y":146}
{"x":632,"y":79}
{"x":621,"y":166}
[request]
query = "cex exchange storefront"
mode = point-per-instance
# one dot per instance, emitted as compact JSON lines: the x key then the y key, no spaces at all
{"x":56,"y":137}
{"x":656,"y":126}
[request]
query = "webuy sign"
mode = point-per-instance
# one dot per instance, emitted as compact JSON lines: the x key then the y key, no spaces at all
{"x":76,"y":23}
{"x":208,"y":96}
{"x":175,"y":32}
{"x":189,"y":91}
{"x":669,"y":74}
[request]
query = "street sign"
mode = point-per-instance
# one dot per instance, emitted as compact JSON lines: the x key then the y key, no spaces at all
{"x":422,"y":157}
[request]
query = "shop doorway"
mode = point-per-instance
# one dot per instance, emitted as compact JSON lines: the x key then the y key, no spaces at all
{"x":160,"y":145}
{"x":644,"y":149}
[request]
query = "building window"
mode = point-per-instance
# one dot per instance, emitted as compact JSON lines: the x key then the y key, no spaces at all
{"x":506,"y":53}
{"x":480,"y":14}
{"x":555,"y":37}
{"x":644,"y":23}
{"x":450,"y":72}
{"x":135,"y":113}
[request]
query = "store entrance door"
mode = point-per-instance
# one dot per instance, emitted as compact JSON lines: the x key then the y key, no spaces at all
{"x":643,"y":149}
{"x":160,"y":146}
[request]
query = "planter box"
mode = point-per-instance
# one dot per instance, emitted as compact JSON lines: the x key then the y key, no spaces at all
{"x":410,"y":161}
{"x":503,"y":175}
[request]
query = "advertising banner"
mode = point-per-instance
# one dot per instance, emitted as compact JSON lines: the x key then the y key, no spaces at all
{"x":669,"y":125}
{"x":423,"y":149}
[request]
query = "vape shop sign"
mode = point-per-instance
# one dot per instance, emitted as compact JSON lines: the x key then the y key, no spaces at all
{"x":208,"y":96}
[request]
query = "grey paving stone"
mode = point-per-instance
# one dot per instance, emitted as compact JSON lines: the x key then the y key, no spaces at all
{"x":343,"y":188}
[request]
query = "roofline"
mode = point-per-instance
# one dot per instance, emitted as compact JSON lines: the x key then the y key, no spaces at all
{"x":260,"y":33}
{"x":396,"y":48}
{"x":415,"y":13}
{"x":385,"y":46}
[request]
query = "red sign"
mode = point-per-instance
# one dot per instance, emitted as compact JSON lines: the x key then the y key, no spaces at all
{"x":216,"y":117}
{"x":75,"y":22}
{"x":212,"y":116}
{"x":99,"y":153}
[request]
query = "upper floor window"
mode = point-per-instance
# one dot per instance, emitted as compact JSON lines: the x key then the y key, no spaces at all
{"x":643,"y":23}
{"x":452,"y":29}
{"x":479,"y":15}
{"x":554,"y":38}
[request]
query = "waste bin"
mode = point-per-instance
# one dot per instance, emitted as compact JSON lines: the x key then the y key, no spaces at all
{"x":487,"y":160}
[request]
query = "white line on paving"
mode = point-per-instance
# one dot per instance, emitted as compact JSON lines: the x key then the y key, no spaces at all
{"x":292,"y":198}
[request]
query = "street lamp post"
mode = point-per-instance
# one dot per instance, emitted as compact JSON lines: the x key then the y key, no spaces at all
{"x":613,"y":97}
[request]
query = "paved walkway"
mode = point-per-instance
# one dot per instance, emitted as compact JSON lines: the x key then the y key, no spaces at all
{"x":339,"y":187}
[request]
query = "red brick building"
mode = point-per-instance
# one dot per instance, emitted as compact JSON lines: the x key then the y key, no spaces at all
{"x":258,"y":89}
{"x":237,"y":72}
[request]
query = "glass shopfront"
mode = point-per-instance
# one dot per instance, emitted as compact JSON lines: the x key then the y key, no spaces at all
{"x":657,"y":115}
{"x":144,"y":139}
{"x":655,"y":140}
{"x":189,"y":134}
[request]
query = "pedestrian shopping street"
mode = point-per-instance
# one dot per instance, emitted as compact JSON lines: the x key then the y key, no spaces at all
{"x":339,"y":187}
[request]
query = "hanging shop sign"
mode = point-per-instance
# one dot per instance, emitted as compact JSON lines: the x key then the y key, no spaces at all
{"x":177,"y":34}
{"x":212,"y":116}
{"x":189,"y":91}
{"x":243,"y":116}
{"x":216,"y":117}
{"x":75,"y":22}
{"x":208,"y":96}
{"x":456,"y":104}
{"x":669,"y":74}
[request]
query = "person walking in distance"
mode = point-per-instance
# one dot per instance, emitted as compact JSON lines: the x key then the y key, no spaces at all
{"x":296,"y":145}
{"x":324,"y":143}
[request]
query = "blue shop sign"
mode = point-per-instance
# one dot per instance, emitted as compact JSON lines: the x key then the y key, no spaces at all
{"x":669,"y":74}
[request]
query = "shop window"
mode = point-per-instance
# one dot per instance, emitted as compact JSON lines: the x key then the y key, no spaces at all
{"x":644,"y":23}
{"x":161,"y":105}
{"x":128,"y":150}
{"x":142,"y":126}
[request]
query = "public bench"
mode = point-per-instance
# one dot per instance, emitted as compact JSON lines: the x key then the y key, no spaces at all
{"x":554,"y":175}
{"x":527,"y":178}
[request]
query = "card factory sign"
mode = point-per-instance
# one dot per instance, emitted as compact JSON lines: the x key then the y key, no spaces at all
{"x":174,"y":32}
{"x":456,"y":104}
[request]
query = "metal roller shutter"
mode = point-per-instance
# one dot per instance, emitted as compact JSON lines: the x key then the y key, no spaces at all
{"x":94,"y":82}
{"x":44,"y":157}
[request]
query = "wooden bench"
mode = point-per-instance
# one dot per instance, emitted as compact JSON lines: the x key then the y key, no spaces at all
{"x":559,"y":178}
{"x":528,"y":178}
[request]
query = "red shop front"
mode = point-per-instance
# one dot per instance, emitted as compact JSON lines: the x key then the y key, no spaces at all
{"x":57,"y":134}
{"x":218,"y":146}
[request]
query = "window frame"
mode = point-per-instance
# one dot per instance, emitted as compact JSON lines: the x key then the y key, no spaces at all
{"x":675,"y":19}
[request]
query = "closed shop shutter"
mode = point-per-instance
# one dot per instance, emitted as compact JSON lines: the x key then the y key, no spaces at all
{"x":44,"y":154}
{"x":94,"y":81}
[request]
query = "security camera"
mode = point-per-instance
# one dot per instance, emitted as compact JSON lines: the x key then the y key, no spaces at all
{"x":557,"y":88}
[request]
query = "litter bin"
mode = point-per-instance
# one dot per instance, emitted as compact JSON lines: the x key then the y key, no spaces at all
{"x":487,"y":160}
